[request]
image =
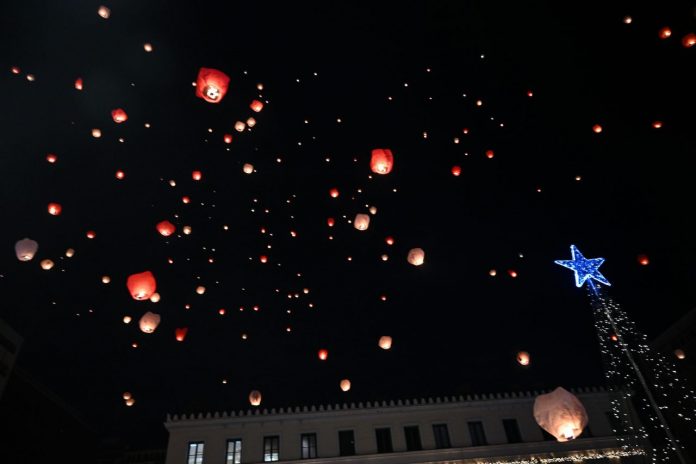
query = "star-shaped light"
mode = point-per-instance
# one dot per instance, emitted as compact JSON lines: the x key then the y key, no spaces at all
{"x":584,"y":268}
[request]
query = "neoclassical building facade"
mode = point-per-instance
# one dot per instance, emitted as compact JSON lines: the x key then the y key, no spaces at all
{"x":481,"y":429}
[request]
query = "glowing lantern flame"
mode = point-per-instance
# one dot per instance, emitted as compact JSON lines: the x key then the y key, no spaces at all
{"x":127,"y":395}
{"x":643,"y":260}
{"x":104,"y":12}
{"x":54,"y":209}
{"x":689,"y":40}
{"x":679,"y":353}
{"x":181,"y":334}
{"x":166,"y":228}
{"x":255,"y":398}
{"x":196,"y":175}
{"x":119,"y":115}
{"x":456,"y":171}
{"x":382,"y":161}
{"x":149,"y":322}
{"x":561,"y":414}
{"x":141,"y":286}
{"x":345,"y":385}
{"x":78,"y":83}
{"x":25,"y":249}
{"x":333,"y":192}
{"x":227,"y":138}
{"x":385,"y":342}
{"x":416,"y":256}
{"x":523,"y":358}
{"x":211,"y":85}
{"x":323,"y":354}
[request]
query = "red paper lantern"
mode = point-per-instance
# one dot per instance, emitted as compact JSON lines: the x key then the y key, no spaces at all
{"x":456,"y":171}
{"x":211,"y":85}
{"x":323,"y":354}
{"x":490,"y":154}
{"x":256,"y":106}
{"x":54,"y":209}
{"x":78,"y":83}
{"x":228,"y":138}
{"x":382,"y":161}
{"x":51,"y":158}
{"x":689,"y":40}
{"x":141,"y":286}
{"x":333,"y":192}
{"x":643,"y":260}
{"x":119,"y":115}
{"x":181,"y":334}
{"x":330,"y":222}
{"x":196,"y":175}
{"x":166,"y":228}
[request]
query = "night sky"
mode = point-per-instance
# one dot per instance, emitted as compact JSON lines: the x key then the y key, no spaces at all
{"x":339,"y":79}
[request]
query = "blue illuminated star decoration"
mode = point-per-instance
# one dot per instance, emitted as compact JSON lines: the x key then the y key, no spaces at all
{"x":585,"y":269}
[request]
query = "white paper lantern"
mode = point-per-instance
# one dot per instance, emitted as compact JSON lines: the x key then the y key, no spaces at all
{"x":149,"y":322}
{"x":26,"y":249}
{"x":416,"y":256}
{"x":255,"y":397}
{"x":561,"y":414}
{"x":361,"y":222}
{"x":385,"y":342}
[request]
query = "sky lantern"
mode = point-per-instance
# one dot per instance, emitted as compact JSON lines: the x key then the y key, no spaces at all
{"x":147,"y":47}
{"x":361,"y":221}
{"x":490,"y":154}
{"x":96,"y":133}
{"x":47,"y":264}
{"x":54,"y":209}
{"x":456,"y":170}
{"x":330,"y":222}
{"x":385,"y":342}
{"x":211,"y":85}
{"x":382,"y":161}
{"x":389,"y":240}
{"x":689,"y":40}
{"x":104,"y":12}
{"x":239,"y":126}
{"x":130,"y":402}
{"x":196,"y":175}
{"x":91,"y":234}
{"x":51,"y":158}
{"x":106,"y":279}
{"x":155,"y":297}
{"x":373,"y":210}
{"x":25,"y":249}
{"x":180,"y":333}
{"x":69,"y":252}
{"x":227,"y":138}
{"x":679,"y":353}
{"x":643,"y":260}
{"x":141,"y":286}
{"x":665,"y":33}
{"x":345,"y":385}
{"x":166,"y":228}
{"x":256,"y":106}
{"x":127,"y":319}
{"x":200,"y":289}
{"x":119,"y":115}
{"x":523,"y":358}
{"x":120,"y":174}
{"x":596,"y":128}
{"x":561,"y":414}
{"x":263,"y":259}
{"x":78,"y":83}
{"x":255,"y":397}
{"x":248,"y":168}
{"x":512,"y":273}
{"x":149,"y":322}
{"x":127,"y":396}
{"x":416,"y":256}
{"x":187,"y":230}
{"x":333,"y":192}
{"x":251,"y":122}
{"x":323,"y":354}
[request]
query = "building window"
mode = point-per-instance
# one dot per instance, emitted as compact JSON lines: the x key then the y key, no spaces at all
{"x":441,"y":436}
{"x":384,"y":442}
{"x":309,"y":445}
{"x":271,"y":447}
{"x":478,"y":437}
{"x":234,"y":451}
{"x":346,"y":443}
{"x":512,"y":431}
{"x":195,"y":453}
{"x":413,"y":441}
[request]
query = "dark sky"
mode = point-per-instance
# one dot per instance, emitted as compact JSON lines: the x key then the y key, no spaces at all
{"x":455,"y":328}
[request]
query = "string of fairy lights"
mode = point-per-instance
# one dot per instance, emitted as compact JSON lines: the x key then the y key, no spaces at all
{"x":575,"y":457}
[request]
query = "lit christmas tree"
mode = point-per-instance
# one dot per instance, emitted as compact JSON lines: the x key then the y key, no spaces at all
{"x":637,"y":376}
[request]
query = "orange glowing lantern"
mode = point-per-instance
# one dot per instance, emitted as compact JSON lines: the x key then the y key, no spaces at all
{"x":54,"y":209}
{"x":523,"y":358}
{"x":119,"y":115}
{"x":166,"y":228}
{"x":689,"y":40}
{"x":211,"y":85}
{"x":181,"y":334}
{"x":561,"y":414}
{"x":91,"y":234}
{"x":361,"y":221}
{"x":196,"y":175}
{"x":255,"y":397}
{"x":597,"y":129}
{"x":141,"y":286}
{"x":78,"y":83}
{"x":47,"y":264}
{"x":323,"y":354}
{"x":665,"y":33}
{"x":120,"y":175}
{"x":25,"y":249}
{"x":490,"y":154}
{"x":330,"y":222}
{"x":149,"y":322}
{"x":345,"y":385}
{"x":239,"y":126}
{"x":251,"y":122}
{"x":389,"y":240}
{"x":657,"y":124}
{"x":200,"y":289}
{"x":263,"y":259}
{"x":385,"y":342}
{"x":248,"y":168}
{"x":104,"y":12}
{"x":256,"y":106}
{"x":456,"y":171}
{"x":643,"y":260}
{"x":96,"y":133}
{"x":416,"y":256}
{"x":227,"y":138}
{"x":679,"y":353}
{"x":51,"y":158}
{"x":333,"y":192}
{"x":127,"y":395}
{"x":382,"y":161}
